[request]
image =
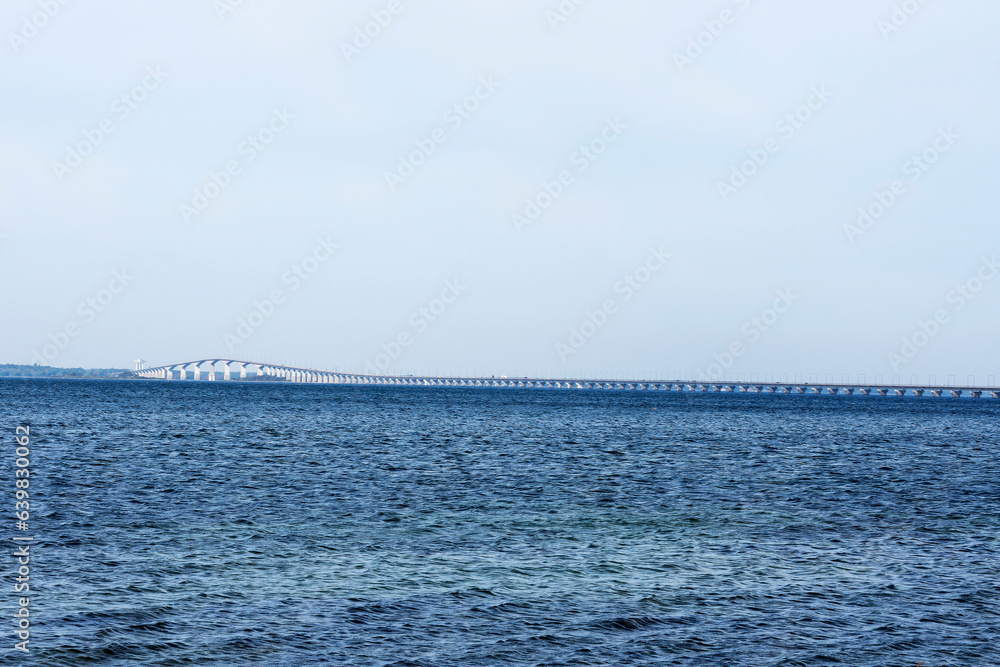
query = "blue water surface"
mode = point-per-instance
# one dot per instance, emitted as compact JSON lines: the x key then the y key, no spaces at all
{"x":197,"y":523}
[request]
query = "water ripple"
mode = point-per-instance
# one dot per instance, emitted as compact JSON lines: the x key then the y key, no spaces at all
{"x":221,"y":524}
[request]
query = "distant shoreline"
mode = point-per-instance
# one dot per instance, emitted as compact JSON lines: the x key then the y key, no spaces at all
{"x":25,"y":372}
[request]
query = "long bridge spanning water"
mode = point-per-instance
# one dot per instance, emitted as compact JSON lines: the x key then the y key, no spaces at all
{"x":234,"y":369}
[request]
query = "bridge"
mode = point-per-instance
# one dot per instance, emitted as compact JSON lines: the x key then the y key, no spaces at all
{"x":233,"y":369}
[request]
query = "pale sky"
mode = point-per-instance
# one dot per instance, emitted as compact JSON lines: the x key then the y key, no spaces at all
{"x":559,"y":192}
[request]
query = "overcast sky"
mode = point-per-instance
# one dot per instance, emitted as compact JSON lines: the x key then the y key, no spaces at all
{"x":593,"y":190}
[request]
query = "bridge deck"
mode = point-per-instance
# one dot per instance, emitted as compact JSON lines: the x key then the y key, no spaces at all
{"x":311,"y":375}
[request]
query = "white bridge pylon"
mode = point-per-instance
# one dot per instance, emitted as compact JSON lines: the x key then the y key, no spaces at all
{"x":208,"y":369}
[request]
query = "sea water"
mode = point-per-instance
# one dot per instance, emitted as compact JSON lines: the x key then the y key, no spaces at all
{"x":198,"y":523}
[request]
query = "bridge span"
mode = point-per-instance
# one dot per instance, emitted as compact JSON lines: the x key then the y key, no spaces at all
{"x":234,"y":369}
